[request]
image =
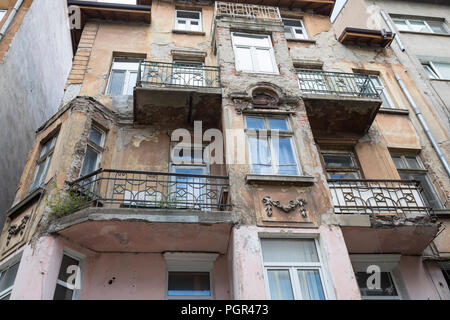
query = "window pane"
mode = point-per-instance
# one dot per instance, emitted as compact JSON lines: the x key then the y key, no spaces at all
{"x":387,"y":287}
{"x":90,"y":161}
{"x":116,"y":82}
{"x":437,"y":26}
{"x":398,"y":162}
{"x":131,"y":83}
{"x":280,"y":285}
{"x":189,"y":284}
{"x":284,"y":156}
{"x":338,"y":160}
{"x":8,"y":276}
{"x":65,"y":264}
{"x":38,"y":175}
{"x":96,"y":136}
{"x":278,"y":124}
{"x":343,"y":175}
{"x":260,"y":156}
{"x":188,"y":14}
{"x":255,"y":123}
{"x":62,"y":293}
{"x":310,"y":285}
{"x":243,"y":59}
{"x":292,"y":23}
{"x":285,"y":250}
{"x":443,"y":69}
{"x":418,"y":26}
{"x":264,"y":60}
{"x":413,"y":163}
{"x":289,"y":32}
{"x":252,"y":40}
{"x":401,"y":25}
{"x":428,"y":189}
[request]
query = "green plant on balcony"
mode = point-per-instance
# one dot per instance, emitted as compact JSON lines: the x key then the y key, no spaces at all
{"x":63,"y":203}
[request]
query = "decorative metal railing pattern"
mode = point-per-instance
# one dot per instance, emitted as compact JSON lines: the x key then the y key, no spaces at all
{"x":400,"y":197}
{"x":336,"y":83}
{"x":177,"y":74}
{"x":249,"y":11}
{"x":158,"y":190}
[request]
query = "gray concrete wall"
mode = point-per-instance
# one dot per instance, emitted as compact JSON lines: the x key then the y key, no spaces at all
{"x":32,"y":79}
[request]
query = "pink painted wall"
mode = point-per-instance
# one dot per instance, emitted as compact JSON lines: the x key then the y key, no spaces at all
{"x":417,"y":279}
{"x":248,"y":272}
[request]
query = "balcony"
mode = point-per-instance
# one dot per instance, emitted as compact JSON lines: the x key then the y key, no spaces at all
{"x":383,"y":216}
{"x":151,"y":210}
{"x":182,"y":92}
{"x":246,"y":11}
{"x":338,"y":102}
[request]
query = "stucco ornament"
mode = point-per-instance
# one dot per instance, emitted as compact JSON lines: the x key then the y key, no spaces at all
{"x":293,"y":204}
{"x":16,"y":229}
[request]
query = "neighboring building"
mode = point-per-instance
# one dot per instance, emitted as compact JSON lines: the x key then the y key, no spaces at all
{"x":35,"y":59}
{"x":316,"y":187}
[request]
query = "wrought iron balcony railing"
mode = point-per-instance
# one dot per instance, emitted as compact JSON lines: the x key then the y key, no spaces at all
{"x":177,"y":74}
{"x":248,"y":11}
{"x":395,"y":197}
{"x":337,"y":83}
{"x":157,"y":190}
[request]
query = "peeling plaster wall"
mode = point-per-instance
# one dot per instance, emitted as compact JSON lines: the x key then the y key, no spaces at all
{"x":33,"y":74}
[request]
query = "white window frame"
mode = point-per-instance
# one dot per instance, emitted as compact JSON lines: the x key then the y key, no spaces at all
{"x":432,"y":67}
{"x":425,"y":22}
{"x":188,"y":21}
{"x":255,"y":65}
{"x":95,"y":147}
{"x":282,"y":134}
{"x":3,"y":13}
{"x":81,"y":259}
{"x":190,"y":262}
{"x":292,"y":267}
{"x":128,"y":72}
{"x":6,"y":264}
{"x":45,"y":160}
{"x":303,"y":36}
{"x":382,"y":90}
{"x":387,"y":263}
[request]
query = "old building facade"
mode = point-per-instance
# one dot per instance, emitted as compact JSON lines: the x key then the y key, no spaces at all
{"x":227,"y":150}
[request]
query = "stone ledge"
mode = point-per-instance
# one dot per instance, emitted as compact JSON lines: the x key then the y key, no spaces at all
{"x":394,"y":111}
{"x":278,"y":179}
{"x":195,"y":33}
{"x":143,"y":215}
{"x":347,"y":220}
{"x":301,"y":40}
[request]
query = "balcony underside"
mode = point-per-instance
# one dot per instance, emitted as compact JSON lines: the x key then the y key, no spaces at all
{"x":169,"y":106}
{"x":147,"y":230}
{"x":390,"y":235}
{"x":330,"y":114}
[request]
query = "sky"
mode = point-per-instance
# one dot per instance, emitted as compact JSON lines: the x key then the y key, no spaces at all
{"x":338,"y":6}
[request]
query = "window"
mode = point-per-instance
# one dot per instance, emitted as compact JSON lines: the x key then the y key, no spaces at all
{"x":410,"y":167}
{"x":2,"y":13}
{"x":382,"y":91}
{"x":43,"y":163}
{"x":8,"y":272}
{"x":68,"y":284}
{"x":190,"y":275}
{"x":293,"y":269}
{"x":419,"y":25}
{"x":188,"y":20}
{"x":437,"y":70}
{"x":377,"y":276}
{"x":341,"y":165}
{"x":94,"y":150}
{"x":188,"y":73}
{"x":271,"y":146}
{"x":295,"y":29}
{"x":445,"y":267}
{"x":254,"y":53}
{"x":122,"y":79}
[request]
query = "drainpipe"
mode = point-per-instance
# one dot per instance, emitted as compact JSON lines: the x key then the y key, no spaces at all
{"x":391,"y":27}
{"x":423,"y":123}
{"x":10,"y":18}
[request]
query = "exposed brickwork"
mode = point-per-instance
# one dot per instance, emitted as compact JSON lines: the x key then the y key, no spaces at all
{"x":81,"y":59}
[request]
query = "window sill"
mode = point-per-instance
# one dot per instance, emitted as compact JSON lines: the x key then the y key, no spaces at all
{"x":426,"y":33}
{"x":394,"y":111}
{"x":259,"y":72}
{"x":279,"y":179}
{"x":26,"y":201}
{"x":440,"y":80}
{"x":195,"y":33}
{"x":301,"y":40}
